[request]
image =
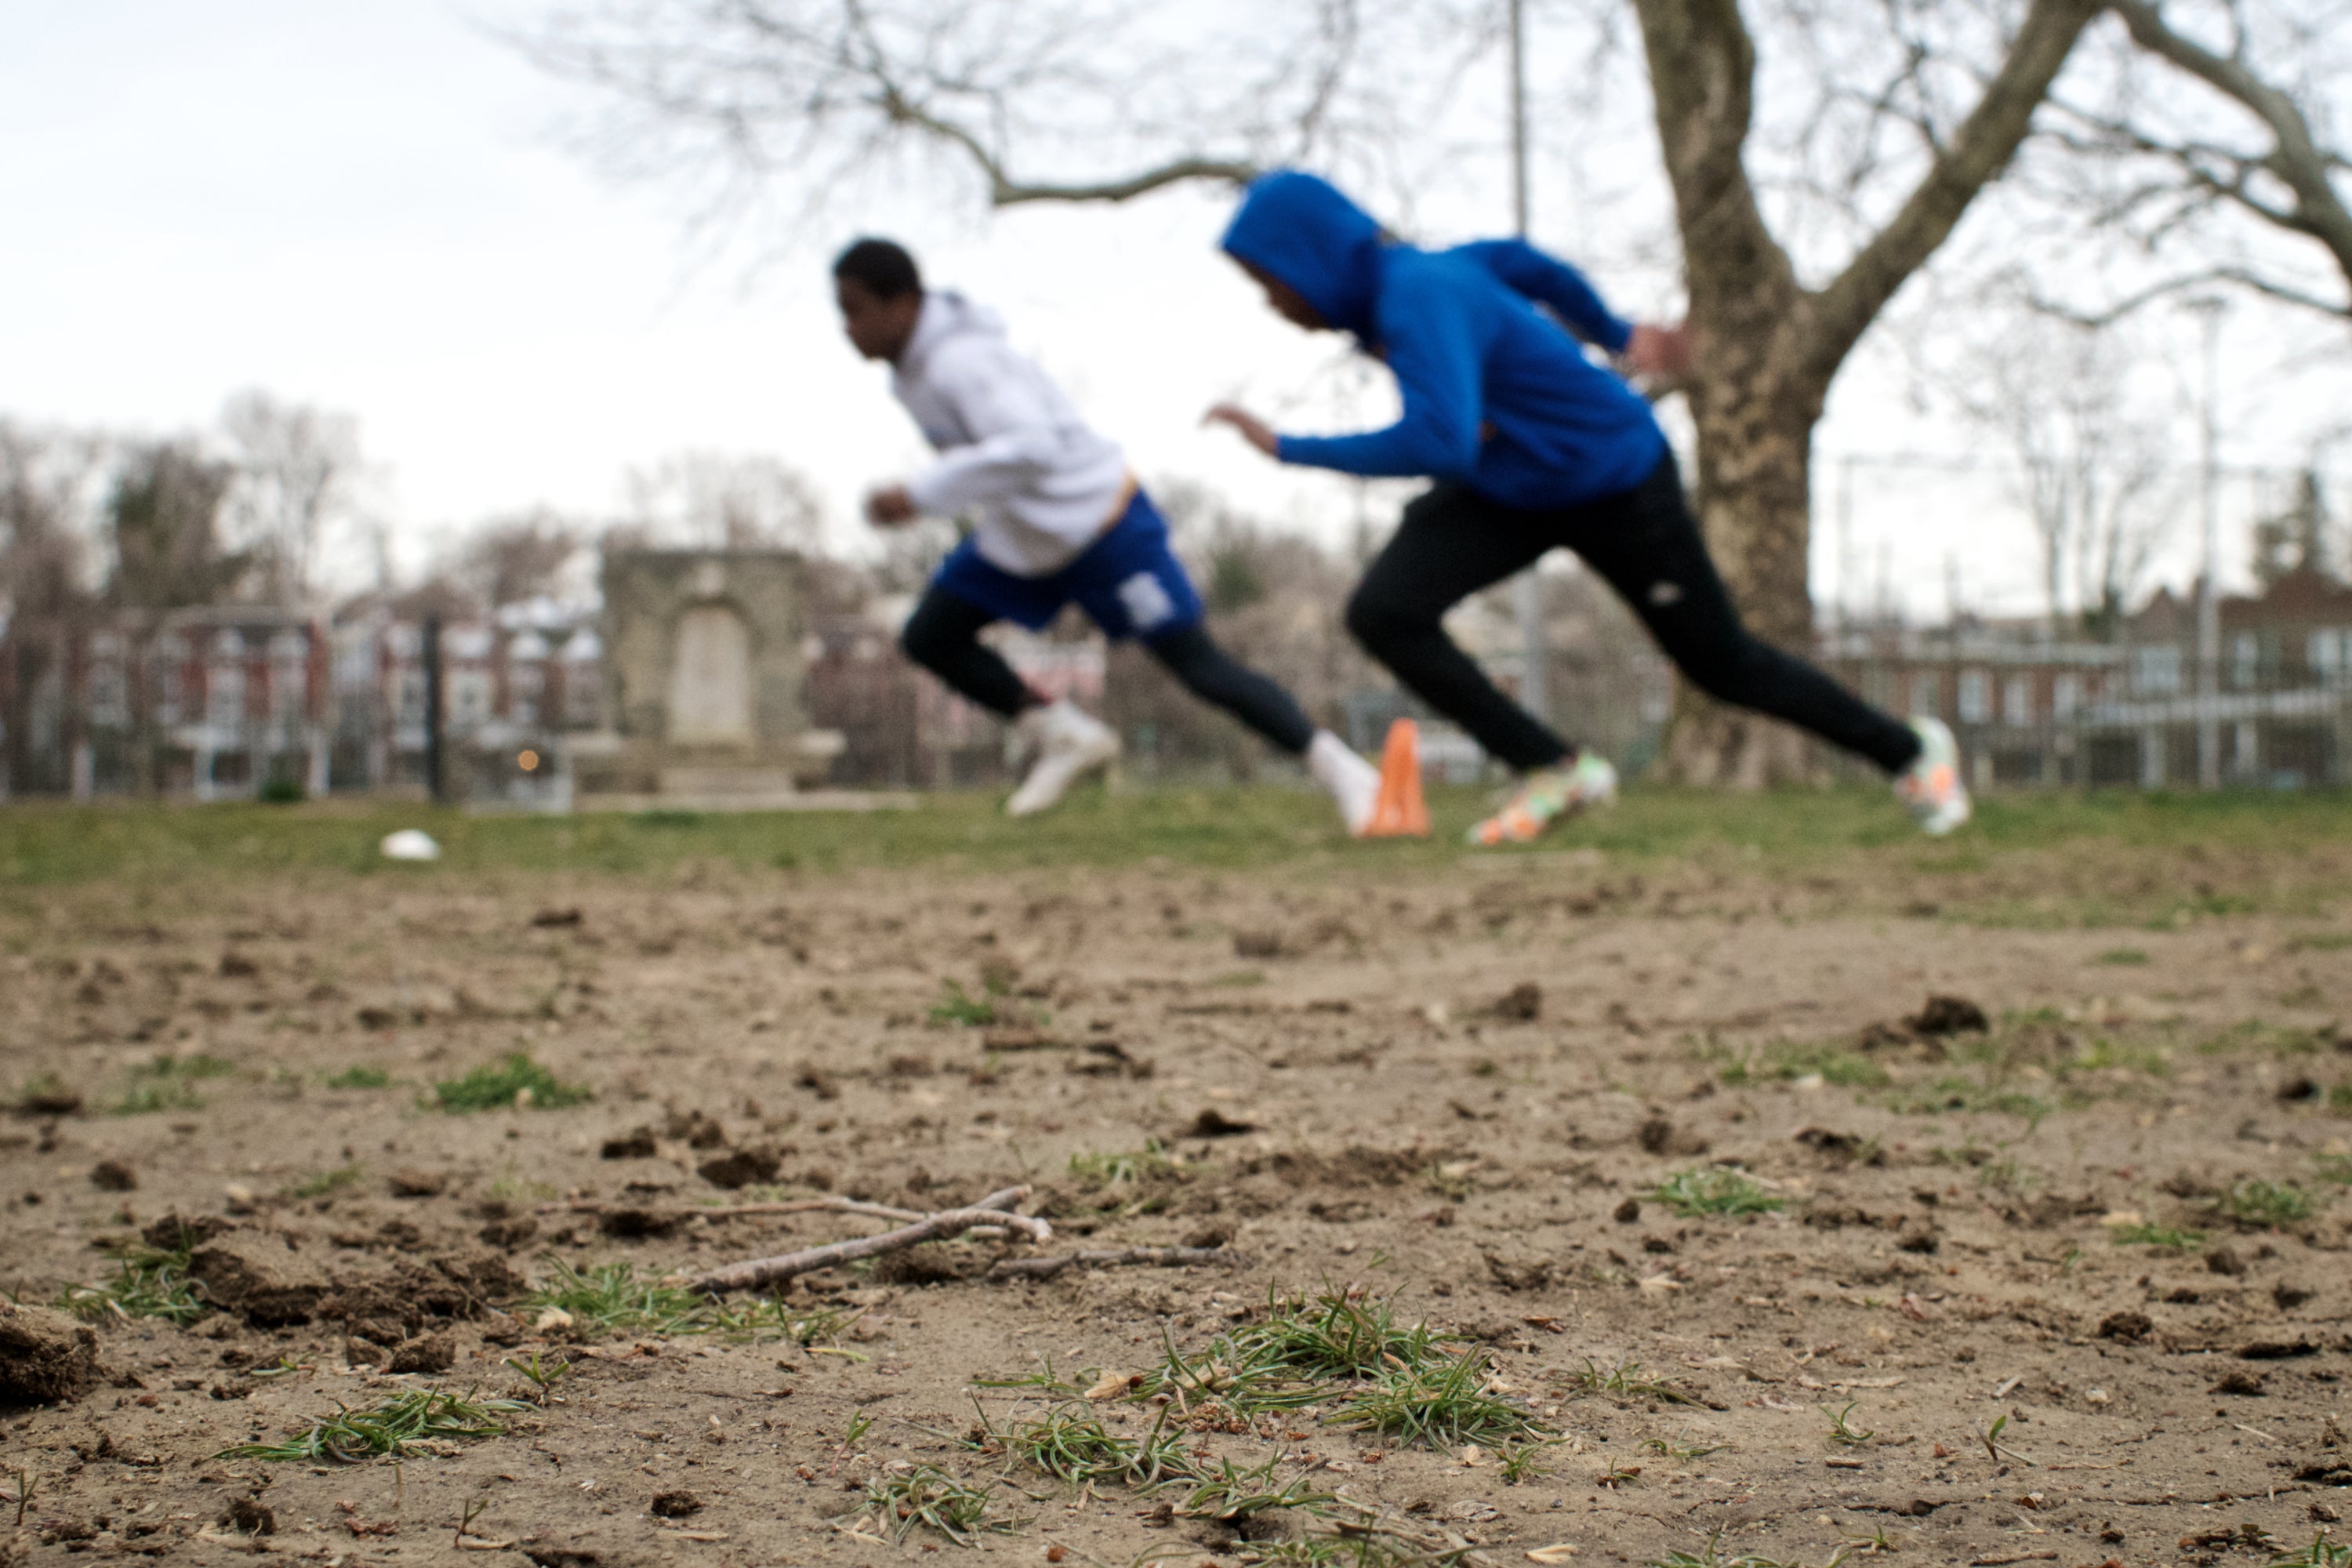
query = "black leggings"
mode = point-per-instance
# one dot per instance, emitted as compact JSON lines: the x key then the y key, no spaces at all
{"x":1645,"y":544}
{"x":943,"y":636}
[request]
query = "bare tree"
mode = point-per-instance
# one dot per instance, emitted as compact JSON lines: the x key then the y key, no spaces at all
{"x":294,"y":470}
{"x":2212,"y":139}
{"x":163,"y":516}
{"x":514,"y":560}
{"x":715,"y":500}
{"x":1925,"y":104}
{"x":46,"y":481}
{"x":2300,"y":537}
{"x":47,"y":519}
{"x":2096,"y":473}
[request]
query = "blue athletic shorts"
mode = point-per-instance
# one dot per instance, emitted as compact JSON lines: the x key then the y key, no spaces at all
{"x":1129,"y":582}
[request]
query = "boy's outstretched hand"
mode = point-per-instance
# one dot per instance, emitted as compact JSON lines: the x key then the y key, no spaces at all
{"x":1254,"y":430}
{"x":1659,"y":353}
{"x":890,"y":506}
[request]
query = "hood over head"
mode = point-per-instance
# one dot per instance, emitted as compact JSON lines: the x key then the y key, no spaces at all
{"x":1300,"y":228}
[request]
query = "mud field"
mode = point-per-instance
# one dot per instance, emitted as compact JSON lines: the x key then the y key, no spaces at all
{"x":1562,"y":1207}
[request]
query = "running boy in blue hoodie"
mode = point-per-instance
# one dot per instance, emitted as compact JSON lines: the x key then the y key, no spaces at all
{"x":1532,"y":445}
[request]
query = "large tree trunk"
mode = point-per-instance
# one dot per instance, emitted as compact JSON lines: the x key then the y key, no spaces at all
{"x":1765,"y":348}
{"x":1752,"y":496}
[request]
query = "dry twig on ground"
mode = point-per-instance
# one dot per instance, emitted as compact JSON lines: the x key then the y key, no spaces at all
{"x":1110,"y":1258}
{"x":991,"y":1210}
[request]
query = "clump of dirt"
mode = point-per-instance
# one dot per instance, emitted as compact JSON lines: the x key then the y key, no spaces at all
{"x":46,"y":1357}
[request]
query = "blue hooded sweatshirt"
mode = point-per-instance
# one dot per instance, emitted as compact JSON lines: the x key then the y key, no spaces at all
{"x":1494,"y":393}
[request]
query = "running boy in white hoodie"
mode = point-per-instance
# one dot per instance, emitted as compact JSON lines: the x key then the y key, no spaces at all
{"x":1056,"y":518}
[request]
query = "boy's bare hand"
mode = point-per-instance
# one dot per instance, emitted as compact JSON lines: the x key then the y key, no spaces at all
{"x":1254,"y":430}
{"x":1659,"y":353}
{"x":890,"y":506}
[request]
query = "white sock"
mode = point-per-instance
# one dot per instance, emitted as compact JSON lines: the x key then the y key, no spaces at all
{"x":1353,"y":784}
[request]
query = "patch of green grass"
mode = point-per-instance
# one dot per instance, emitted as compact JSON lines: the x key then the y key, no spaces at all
{"x":1967,"y":1095}
{"x":148,"y":1282}
{"x":962,"y":1009}
{"x":2321,"y":1553}
{"x":1355,"y":1546}
{"x":1523,"y":1462}
{"x":1682,"y":1452}
{"x":2007,"y":1174}
{"x":1441,"y":1407}
{"x":2321,"y":941}
{"x":2340,"y":1099}
{"x":2103,"y":1053}
{"x":1070,"y":1443}
{"x":2123,"y":956}
{"x":1336,"y":1333}
{"x":406,"y":1422}
{"x":613,"y":1298}
{"x":146,"y":1098}
{"x":516,"y":1081}
{"x":2260,"y":1202}
{"x":1290,"y":1357}
{"x":1712,"y":1189}
{"x":2077,"y":849}
{"x":361,"y":1077}
{"x":1623,"y":1380}
{"x":1841,"y":1432}
{"x":163,"y":1084}
{"x":2337,"y":1168}
{"x":326,"y":1181}
{"x":2155,"y":1235}
{"x":1233,"y":1493}
{"x":1044,"y":1382}
{"x":1122,"y":1170}
{"x":2254,"y":1035}
{"x":1786,"y":1061}
{"x":907,"y":1497}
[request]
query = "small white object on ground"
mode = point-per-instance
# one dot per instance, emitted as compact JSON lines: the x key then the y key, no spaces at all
{"x":410,"y":844}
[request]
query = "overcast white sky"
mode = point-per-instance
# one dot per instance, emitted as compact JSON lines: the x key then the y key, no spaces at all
{"x":366,"y":206}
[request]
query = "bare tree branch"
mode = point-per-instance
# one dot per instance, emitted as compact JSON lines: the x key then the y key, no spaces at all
{"x":2295,"y":159}
{"x":1976,"y":156}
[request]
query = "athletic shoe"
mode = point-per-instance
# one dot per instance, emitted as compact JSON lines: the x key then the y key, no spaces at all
{"x":1354,"y":784}
{"x":1931,"y":786}
{"x":1068,"y":744}
{"x":1550,"y":795}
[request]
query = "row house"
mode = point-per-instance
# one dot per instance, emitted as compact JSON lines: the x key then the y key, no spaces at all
{"x":2032,"y":709}
{"x":210,"y":702}
{"x":513,"y":686}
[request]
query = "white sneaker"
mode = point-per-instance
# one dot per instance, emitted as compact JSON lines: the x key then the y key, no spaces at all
{"x":1354,"y":784}
{"x":1931,"y":786}
{"x":1068,"y":744}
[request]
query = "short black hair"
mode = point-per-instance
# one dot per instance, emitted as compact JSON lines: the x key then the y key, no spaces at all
{"x":881,"y":266}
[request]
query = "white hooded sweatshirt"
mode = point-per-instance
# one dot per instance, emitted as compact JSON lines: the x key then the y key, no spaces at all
{"x":1041,"y":486}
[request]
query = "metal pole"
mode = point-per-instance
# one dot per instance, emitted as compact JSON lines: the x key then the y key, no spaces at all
{"x":436,"y":789}
{"x":1528,"y":590}
{"x":2209,"y":603}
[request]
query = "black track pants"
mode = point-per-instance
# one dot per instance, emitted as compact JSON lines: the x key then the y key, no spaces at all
{"x":1645,"y":544}
{"x":943,"y":636}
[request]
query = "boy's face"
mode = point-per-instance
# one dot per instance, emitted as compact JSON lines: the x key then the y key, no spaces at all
{"x":878,"y":328}
{"x":1287,"y":302}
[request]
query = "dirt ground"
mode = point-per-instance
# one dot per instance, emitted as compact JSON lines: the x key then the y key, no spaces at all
{"x":1453,"y":1095}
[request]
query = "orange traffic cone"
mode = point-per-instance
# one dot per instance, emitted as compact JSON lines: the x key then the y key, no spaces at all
{"x":1401,"y":813}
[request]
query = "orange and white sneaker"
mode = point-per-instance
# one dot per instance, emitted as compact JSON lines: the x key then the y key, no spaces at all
{"x":1931,"y":786}
{"x":1549,"y":795}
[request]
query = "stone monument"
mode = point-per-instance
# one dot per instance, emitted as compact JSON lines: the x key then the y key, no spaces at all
{"x":703,"y":675}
